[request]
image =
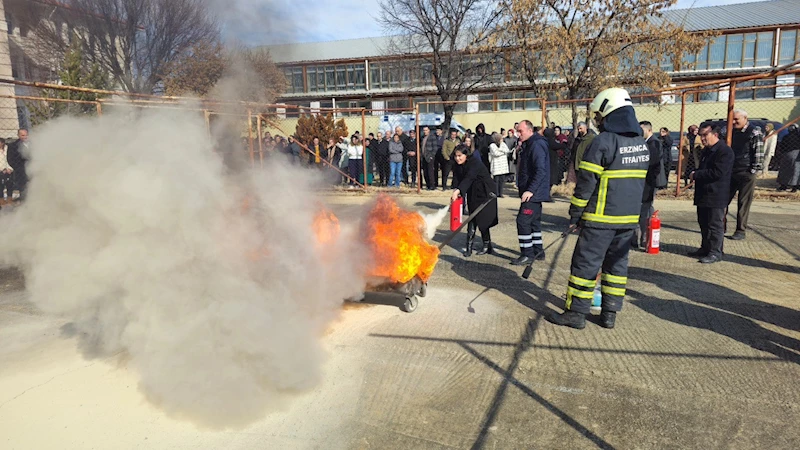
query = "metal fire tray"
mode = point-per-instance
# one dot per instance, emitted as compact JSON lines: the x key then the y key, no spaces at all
{"x":411,"y":291}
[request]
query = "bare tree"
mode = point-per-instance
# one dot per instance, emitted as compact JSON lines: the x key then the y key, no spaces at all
{"x":135,"y":41}
{"x":578,"y":47}
{"x":448,"y":37}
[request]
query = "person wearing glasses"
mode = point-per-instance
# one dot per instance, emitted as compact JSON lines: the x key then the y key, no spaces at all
{"x":712,"y":183}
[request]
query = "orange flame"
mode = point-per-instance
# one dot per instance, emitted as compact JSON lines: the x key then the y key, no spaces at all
{"x":398,"y":245}
{"x":325,"y":226}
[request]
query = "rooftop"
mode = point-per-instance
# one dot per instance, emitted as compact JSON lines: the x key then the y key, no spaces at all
{"x":727,"y":17}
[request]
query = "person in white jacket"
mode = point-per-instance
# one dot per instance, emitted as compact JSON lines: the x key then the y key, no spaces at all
{"x":769,"y":147}
{"x":355,"y":155}
{"x":498,"y":161}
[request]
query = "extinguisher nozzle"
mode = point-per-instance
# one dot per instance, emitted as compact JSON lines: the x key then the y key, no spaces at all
{"x":527,"y":272}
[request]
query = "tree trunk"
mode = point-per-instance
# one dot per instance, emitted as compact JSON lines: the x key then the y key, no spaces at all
{"x":574,"y":107}
{"x":448,"y":117}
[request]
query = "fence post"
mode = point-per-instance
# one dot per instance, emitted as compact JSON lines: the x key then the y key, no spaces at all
{"x":99,"y":107}
{"x":260,"y":143}
{"x":364,"y":152}
{"x":250,"y":137}
{"x":731,"y":105}
{"x":544,"y":113}
{"x":416,"y":132}
{"x":680,"y":145}
{"x":207,"y":115}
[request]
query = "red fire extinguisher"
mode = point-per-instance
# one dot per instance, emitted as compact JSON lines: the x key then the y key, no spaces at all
{"x":654,"y":239}
{"x":456,"y":213}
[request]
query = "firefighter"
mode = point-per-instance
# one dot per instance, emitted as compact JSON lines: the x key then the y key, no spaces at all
{"x":605,"y":208}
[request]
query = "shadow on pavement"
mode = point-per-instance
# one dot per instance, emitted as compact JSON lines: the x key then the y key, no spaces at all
{"x":721,"y":310}
{"x":680,"y":249}
{"x":509,"y":379}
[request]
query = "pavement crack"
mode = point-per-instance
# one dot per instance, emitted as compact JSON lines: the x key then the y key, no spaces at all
{"x":45,"y":383}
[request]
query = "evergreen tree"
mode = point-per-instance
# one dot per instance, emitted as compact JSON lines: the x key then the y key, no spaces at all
{"x":75,"y":72}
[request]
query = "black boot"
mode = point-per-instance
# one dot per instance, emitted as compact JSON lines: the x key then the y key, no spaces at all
{"x":471,"y":229}
{"x":568,"y":318}
{"x":608,"y":319}
{"x":487,"y":248}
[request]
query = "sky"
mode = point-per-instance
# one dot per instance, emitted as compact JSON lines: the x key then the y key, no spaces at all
{"x":259,"y":22}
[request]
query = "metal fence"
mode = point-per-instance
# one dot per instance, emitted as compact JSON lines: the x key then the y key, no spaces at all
{"x":255,"y":134}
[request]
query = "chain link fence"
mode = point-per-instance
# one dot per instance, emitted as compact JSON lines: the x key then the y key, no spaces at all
{"x":356,"y":148}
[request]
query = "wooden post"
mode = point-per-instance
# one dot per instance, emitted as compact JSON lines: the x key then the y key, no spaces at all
{"x":207,"y":115}
{"x":260,"y":142}
{"x":544,"y":113}
{"x":419,"y":166}
{"x":731,"y":105}
{"x":680,"y":145}
{"x":99,"y":107}
{"x":250,"y":137}
{"x":364,"y":147}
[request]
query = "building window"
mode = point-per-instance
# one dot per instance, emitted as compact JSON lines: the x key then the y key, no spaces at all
{"x":733,"y":51}
{"x":744,"y":90}
{"x":716,"y":53}
{"x":765,"y":93}
{"x":690,"y":60}
{"x":506,"y":102}
{"x":486,"y":103}
{"x":749,"y":50}
{"x":788,"y":47}
{"x":712,"y":96}
{"x":766,"y":43}
{"x":294,"y":77}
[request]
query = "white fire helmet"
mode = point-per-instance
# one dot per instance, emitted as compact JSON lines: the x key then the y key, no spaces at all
{"x":609,"y":100}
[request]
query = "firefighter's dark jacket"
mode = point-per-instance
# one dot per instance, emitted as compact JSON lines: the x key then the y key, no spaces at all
{"x":612,"y":174}
{"x":534,"y":168}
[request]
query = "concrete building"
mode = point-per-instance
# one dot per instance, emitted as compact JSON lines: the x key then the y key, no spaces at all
{"x":358,"y":73}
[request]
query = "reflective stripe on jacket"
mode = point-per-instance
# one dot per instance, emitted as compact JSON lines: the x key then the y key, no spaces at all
{"x":611,"y":180}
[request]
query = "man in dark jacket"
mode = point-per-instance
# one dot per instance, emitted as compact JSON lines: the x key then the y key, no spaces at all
{"x":18,"y":153}
{"x":747,"y":143}
{"x":429,"y":148}
{"x":554,"y":147}
{"x":666,"y":150}
{"x":712,"y":187}
{"x":382,"y":158}
{"x":294,"y":150}
{"x":606,"y":207}
{"x":654,"y":147}
{"x":534,"y":188}
{"x":482,"y":142}
{"x":410,"y":146}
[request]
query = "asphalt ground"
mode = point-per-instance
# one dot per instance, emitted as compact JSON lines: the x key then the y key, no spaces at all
{"x":703,"y":356}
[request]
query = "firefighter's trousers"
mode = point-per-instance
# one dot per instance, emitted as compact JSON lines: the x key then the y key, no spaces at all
{"x":599,"y":249}
{"x":529,"y":229}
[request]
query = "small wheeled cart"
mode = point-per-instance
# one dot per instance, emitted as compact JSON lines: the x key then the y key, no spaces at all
{"x":411,"y":291}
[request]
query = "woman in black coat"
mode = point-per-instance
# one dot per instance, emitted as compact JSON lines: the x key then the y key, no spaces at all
{"x":477,"y":185}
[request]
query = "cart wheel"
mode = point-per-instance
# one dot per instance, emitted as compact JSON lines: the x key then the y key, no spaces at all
{"x":410,"y":304}
{"x":423,"y":290}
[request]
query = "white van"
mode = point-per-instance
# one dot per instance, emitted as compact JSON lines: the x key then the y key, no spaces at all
{"x":408,"y":122}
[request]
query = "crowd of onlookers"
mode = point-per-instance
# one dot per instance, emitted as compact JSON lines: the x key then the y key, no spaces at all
{"x":392,"y":161}
{"x":391,"y":158}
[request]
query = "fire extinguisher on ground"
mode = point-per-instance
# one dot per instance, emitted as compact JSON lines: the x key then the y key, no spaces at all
{"x":456,"y":213}
{"x":654,"y":237}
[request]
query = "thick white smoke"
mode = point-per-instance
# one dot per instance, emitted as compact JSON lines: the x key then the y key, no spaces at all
{"x":433,"y":220}
{"x":133,"y":233}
